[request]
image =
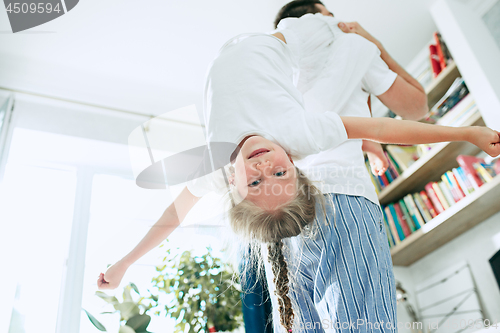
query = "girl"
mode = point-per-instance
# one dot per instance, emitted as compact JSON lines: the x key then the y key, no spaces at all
{"x":251,"y":100}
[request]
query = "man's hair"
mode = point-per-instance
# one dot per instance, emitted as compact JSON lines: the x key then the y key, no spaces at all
{"x":257,"y":225}
{"x":297,"y":8}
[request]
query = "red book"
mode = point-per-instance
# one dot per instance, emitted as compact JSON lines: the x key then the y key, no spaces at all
{"x":428,"y":203}
{"x":466,"y":163}
{"x":402,"y":220}
{"x":436,"y":67}
{"x":384,"y":179}
{"x":434,"y":198}
{"x":442,"y":60}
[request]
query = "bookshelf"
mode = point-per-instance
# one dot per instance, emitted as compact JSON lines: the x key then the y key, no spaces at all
{"x":441,"y":83}
{"x":463,"y":215}
{"x":451,"y":223}
{"x":430,"y":167}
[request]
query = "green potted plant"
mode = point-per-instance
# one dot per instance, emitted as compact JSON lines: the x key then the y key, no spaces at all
{"x":202,"y":293}
{"x":133,"y":317}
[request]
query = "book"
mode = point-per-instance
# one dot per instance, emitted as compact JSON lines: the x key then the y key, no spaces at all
{"x":448,"y":185}
{"x":428,"y":204}
{"x":455,"y":184}
{"x":457,"y":91}
{"x":384,"y":179}
{"x":447,"y":193}
{"x":465,"y":179}
{"x":407,"y":216}
{"x":392,"y":226}
{"x":399,"y":229}
{"x":461,"y":182}
{"x":436,"y":67}
{"x":440,"y":195}
{"x":439,"y":50}
{"x":404,"y":156}
{"x":402,"y":220}
{"x":444,"y":48}
{"x":467,"y":103}
{"x":466,"y":163}
{"x":413,"y":210}
{"x":481,"y":171}
{"x":388,"y":232}
{"x":438,"y":206}
{"x":394,"y":163}
{"x":421,"y":207}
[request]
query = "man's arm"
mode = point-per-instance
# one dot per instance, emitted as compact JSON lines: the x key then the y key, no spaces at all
{"x":387,"y":130}
{"x":168,"y":222}
{"x":406,"y":97}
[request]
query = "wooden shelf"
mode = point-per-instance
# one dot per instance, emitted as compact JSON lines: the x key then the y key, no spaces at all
{"x":451,"y":223}
{"x":430,"y":167}
{"x":441,"y":84}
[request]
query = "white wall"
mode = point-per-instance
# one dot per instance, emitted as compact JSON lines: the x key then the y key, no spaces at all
{"x":476,"y":246}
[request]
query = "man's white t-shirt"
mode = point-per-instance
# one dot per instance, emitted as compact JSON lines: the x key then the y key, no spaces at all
{"x":251,"y":90}
{"x":341,"y":169}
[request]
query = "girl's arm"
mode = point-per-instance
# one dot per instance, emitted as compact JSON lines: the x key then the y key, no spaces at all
{"x":387,"y":130}
{"x":171,"y":219}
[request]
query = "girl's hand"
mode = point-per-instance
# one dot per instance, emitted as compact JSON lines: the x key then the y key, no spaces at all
{"x":486,"y":139}
{"x":113,"y":276}
{"x":378,"y":162}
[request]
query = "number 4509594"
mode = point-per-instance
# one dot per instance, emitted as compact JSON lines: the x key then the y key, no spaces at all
{"x":32,"y":8}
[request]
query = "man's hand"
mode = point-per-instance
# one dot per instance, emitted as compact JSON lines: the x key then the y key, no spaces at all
{"x":378,"y":163}
{"x":376,"y":157}
{"x":113,"y":276}
{"x":355,"y":27}
{"x":486,"y":139}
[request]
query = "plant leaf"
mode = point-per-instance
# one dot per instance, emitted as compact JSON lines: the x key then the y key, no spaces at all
{"x":106,"y":297}
{"x":135,"y":288}
{"x":126,"y":329}
{"x":94,"y":321}
{"x":139,"y":323}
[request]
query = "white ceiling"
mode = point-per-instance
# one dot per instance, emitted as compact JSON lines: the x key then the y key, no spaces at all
{"x":151,"y":56}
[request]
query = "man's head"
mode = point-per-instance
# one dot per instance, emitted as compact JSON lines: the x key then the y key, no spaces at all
{"x":297,"y":8}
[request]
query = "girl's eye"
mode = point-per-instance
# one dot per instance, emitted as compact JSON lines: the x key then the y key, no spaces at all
{"x":254,"y":183}
{"x":280,"y":174}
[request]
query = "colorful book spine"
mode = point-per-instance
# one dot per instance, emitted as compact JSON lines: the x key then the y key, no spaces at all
{"x":447,"y":193}
{"x":466,"y":180}
{"x":407,"y":216}
{"x":457,"y":195}
{"x":385,"y":181}
{"x":390,"y":238}
{"x":433,"y":197}
{"x":461,"y":182}
{"x":421,"y":207}
{"x":440,"y":195}
{"x":389,"y":176}
{"x":396,"y":222}
{"x":428,"y":204}
{"x":402,"y":220}
{"x":392,"y":226}
{"x":455,"y":183}
{"x":482,"y":172}
{"x":466,"y":163}
{"x":414,"y":213}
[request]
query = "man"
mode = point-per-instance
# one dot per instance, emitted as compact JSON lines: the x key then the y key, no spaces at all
{"x":393,"y":86}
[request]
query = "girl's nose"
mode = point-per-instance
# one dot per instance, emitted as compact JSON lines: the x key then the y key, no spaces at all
{"x":262,"y":165}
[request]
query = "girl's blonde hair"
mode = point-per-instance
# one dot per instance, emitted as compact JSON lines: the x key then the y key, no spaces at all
{"x":257,"y":225}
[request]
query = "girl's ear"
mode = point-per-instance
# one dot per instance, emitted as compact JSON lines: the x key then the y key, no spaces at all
{"x":290,"y":158}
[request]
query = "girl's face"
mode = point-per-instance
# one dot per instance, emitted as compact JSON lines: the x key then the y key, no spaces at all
{"x":264,"y":173}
